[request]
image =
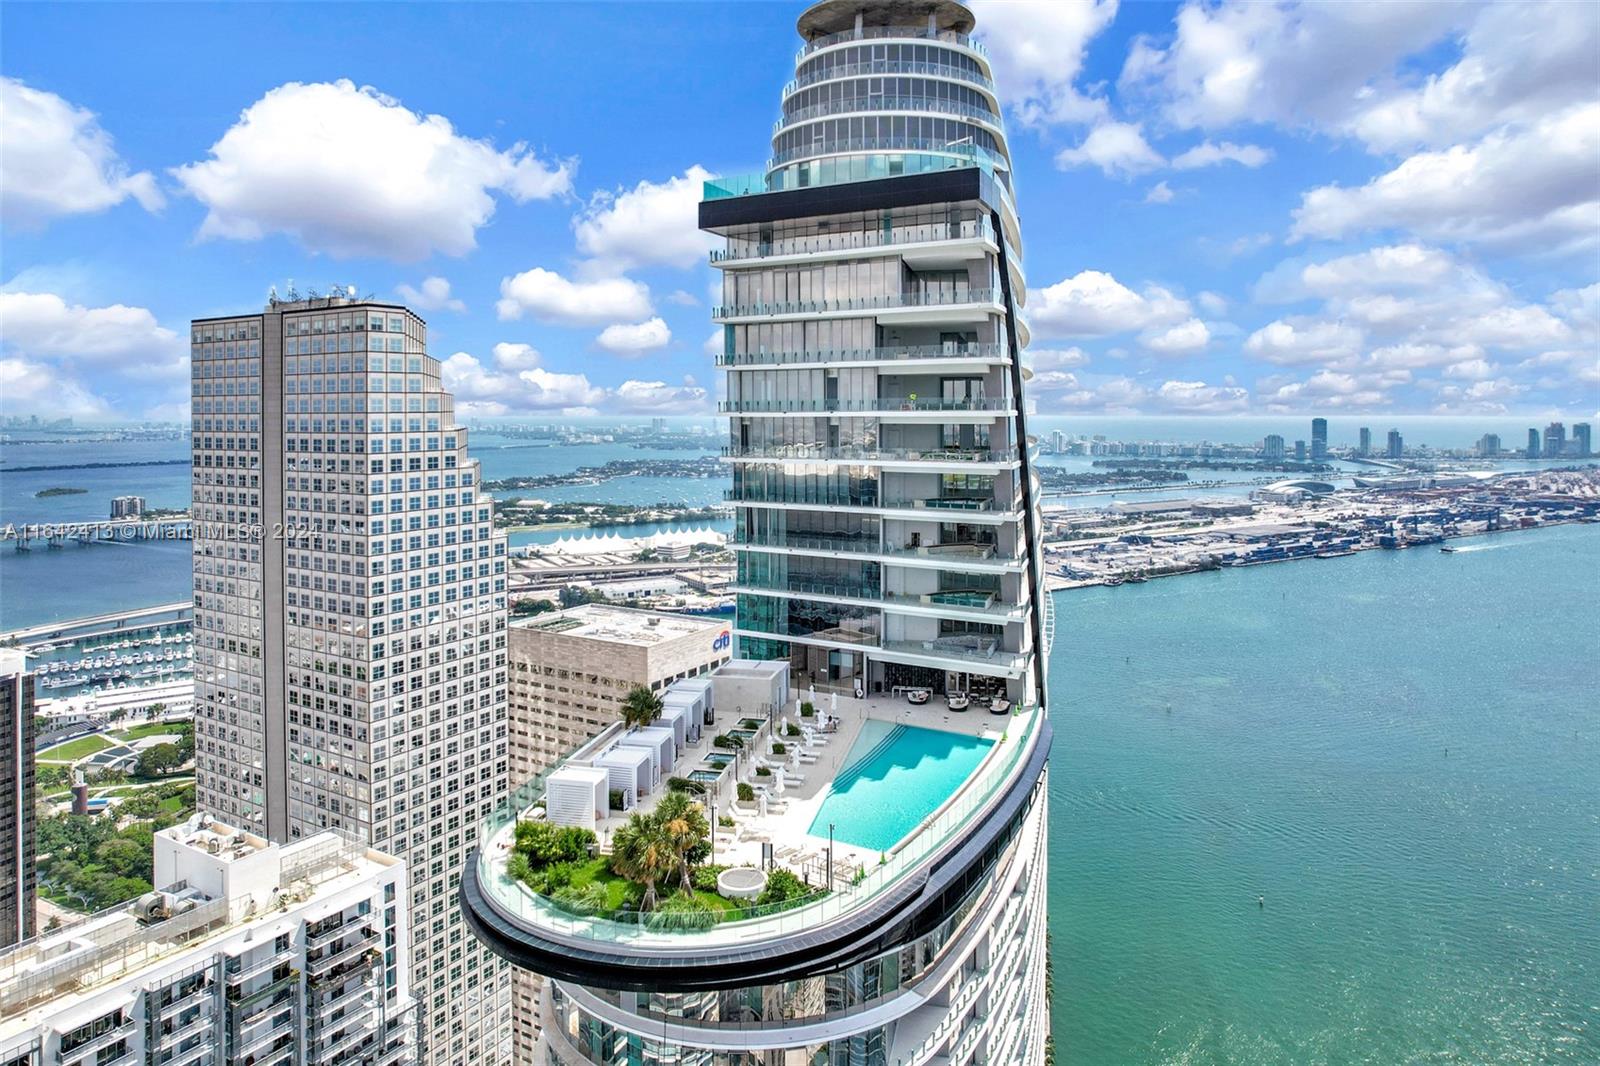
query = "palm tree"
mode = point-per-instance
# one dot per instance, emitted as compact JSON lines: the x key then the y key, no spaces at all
{"x":640,"y":707}
{"x":641,"y":852}
{"x":685,"y":825}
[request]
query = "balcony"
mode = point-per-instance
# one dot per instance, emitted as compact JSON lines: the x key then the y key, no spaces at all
{"x":980,"y":353}
{"x":883,"y":33}
{"x":855,"y":241}
{"x":975,"y":155}
{"x":885,"y":66}
{"x":875,"y":104}
{"x":974,"y":605}
{"x":888,"y":302}
{"x":980,"y":557}
{"x":883,"y":406}
{"x":320,"y":967}
{"x":805,"y":453}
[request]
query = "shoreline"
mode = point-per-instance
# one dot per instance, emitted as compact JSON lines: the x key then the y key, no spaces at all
{"x":1056,"y":583}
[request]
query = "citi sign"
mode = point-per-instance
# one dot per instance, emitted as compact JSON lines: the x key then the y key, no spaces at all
{"x":723,"y":640}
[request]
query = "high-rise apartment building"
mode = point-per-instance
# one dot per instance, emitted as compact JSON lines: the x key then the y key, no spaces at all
{"x":1365,"y":447}
{"x":1319,"y":439}
{"x":1397,"y":444}
{"x":887,"y":540}
{"x":1555,"y":440}
{"x":249,"y":954}
{"x":1582,"y":440}
{"x":1533,"y":449}
{"x":1299,"y":451}
{"x":16,"y":798}
{"x":350,"y":659}
{"x":127,"y":506}
{"x":1489,"y":445}
{"x":1272,"y":448}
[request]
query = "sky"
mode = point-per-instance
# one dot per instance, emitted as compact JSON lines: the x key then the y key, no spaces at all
{"x":1227,"y":208}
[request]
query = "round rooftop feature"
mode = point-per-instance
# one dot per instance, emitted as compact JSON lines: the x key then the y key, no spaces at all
{"x":741,"y":882}
{"x":839,"y":16}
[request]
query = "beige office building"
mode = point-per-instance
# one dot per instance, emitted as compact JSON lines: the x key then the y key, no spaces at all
{"x":350,"y":620}
{"x":569,"y":674}
{"x":571,"y":671}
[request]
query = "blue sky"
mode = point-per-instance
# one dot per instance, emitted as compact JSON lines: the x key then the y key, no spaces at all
{"x":1228,"y":208}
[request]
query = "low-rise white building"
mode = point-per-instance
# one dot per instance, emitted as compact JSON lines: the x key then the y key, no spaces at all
{"x":249,"y":952}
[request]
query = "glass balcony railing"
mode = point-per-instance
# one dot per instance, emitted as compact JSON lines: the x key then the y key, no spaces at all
{"x":965,"y":603}
{"x":972,"y":154}
{"x":873,"y":104}
{"x":882,"y":33}
{"x":864,"y":355}
{"x":812,"y":543}
{"x":887,"y":66}
{"x":849,"y":406}
{"x":632,"y":931}
{"x":856,"y":240}
{"x":956,"y":553}
{"x":815,"y":453}
{"x":967,"y":649}
{"x":886,"y":301}
{"x":896,"y":159}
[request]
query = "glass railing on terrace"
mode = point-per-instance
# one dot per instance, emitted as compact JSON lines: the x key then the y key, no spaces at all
{"x":864,"y":355}
{"x":880,"y":33}
{"x":815,"y":453}
{"x":810,"y":542}
{"x":885,"y":301}
{"x":966,"y":648}
{"x":887,"y":66}
{"x":855,"y":240}
{"x":852,"y":406}
{"x":896,"y":160}
{"x":859,"y":638}
{"x":752,"y":925}
{"x":983,"y":603}
{"x":874,"y":104}
{"x":845,"y":590}
{"x":757,"y":494}
{"x":973,"y":152}
{"x":956,"y":551}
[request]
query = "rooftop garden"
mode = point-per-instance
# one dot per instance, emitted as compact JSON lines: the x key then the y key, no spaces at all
{"x":656,"y":873}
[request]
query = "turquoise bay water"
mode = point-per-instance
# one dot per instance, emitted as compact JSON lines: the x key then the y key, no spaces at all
{"x":894,"y":777}
{"x":1282,"y":732}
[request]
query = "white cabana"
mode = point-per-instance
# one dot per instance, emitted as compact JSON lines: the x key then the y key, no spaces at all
{"x":676,"y":719}
{"x":632,"y":770}
{"x":694,"y":695}
{"x":659,"y":739}
{"x":577,"y":795}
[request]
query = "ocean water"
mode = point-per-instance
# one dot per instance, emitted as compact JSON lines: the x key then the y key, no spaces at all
{"x":896,"y":776}
{"x":1398,"y":752}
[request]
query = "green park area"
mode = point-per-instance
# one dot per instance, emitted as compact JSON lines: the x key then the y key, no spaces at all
{"x":75,"y":749}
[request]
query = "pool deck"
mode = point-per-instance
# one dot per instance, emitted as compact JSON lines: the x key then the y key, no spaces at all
{"x":789,"y":811}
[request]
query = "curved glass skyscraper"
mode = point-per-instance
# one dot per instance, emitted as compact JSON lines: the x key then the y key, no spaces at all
{"x":887,"y":533}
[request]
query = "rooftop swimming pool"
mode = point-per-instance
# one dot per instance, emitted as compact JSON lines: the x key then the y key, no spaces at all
{"x":894,"y":777}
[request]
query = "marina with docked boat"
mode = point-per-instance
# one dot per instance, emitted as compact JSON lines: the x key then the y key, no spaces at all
{"x":1129,"y":543}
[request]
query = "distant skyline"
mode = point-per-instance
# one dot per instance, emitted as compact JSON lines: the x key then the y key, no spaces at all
{"x":1361,"y":211}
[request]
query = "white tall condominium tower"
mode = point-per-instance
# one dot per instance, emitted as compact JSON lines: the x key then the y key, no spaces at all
{"x":350,"y":614}
{"x":250,"y":954}
{"x":887,"y":532}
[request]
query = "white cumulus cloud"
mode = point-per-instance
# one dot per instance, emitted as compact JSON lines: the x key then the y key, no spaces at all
{"x":1117,"y":148}
{"x":1037,"y":48}
{"x":1092,"y":303}
{"x":432,"y":295}
{"x":56,"y":160}
{"x":651,"y":223}
{"x":551,"y":298}
{"x":635,"y":339}
{"x":351,"y":172}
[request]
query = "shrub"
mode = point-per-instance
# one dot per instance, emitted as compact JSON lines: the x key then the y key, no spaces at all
{"x":792,"y":730}
{"x":705,"y":877}
{"x":545,"y":844}
{"x":683,"y":784}
{"x":685,"y":912}
{"x":517,"y":867}
{"x":746,"y":793}
{"x":782,"y":886}
{"x":723,"y":740}
{"x":779,"y":749}
{"x":590,"y":899}
{"x":808,"y":709}
{"x":616,"y":799}
{"x":762,"y":771}
{"x":726,"y":821}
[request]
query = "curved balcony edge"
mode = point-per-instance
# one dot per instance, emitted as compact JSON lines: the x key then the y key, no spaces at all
{"x":883,"y":923}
